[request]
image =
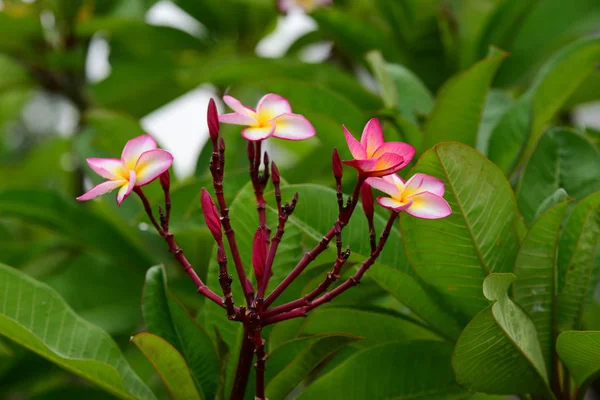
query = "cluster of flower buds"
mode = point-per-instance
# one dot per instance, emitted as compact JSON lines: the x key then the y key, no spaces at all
{"x":375,"y":160}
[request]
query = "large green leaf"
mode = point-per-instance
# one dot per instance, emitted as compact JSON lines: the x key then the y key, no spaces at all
{"x":536,"y":271}
{"x":291,"y":363}
{"x":563,"y":159}
{"x":36,"y":317}
{"x":454,"y":254}
{"x":498,"y":352}
{"x":580,"y":351}
{"x":314,"y":216}
{"x":80,"y":225}
{"x":577,"y":269}
{"x":167,"y":318}
{"x":512,"y":144}
{"x":169,"y":364}
{"x":373,"y":373}
{"x":459,"y":105}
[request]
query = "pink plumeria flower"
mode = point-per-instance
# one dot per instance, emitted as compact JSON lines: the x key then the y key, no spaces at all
{"x":306,"y":5}
{"x":141,"y":162}
{"x":420,"y":196}
{"x":374,"y":157}
{"x":272,"y":117}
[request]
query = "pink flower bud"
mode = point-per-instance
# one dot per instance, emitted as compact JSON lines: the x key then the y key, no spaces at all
{"x":259,"y":253}
{"x":211,"y":215}
{"x":212,"y":118}
{"x":336,"y":164}
{"x":165,"y":180}
{"x":275,"y":173}
{"x":367,"y":201}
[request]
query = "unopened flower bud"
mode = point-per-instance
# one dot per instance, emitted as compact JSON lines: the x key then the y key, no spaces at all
{"x":275,"y":173}
{"x":259,"y":253}
{"x":367,"y":201}
{"x":212,"y":118}
{"x":251,"y":151}
{"x":211,"y":215}
{"x":336,"y":164}
{"x":165,"y":180}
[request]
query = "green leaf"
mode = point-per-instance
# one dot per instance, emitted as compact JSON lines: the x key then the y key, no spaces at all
{"x":167,"y":318}
{"x":373,"y":373}
{"x":536,"y":271}
{"x":316,"y":224}
{"x":555,"y":82}
{"x":459,"y":105}
{"x":496,"y":104}
{"x":36,"y":317}
{"x":11,"y":74}
{"x":169,"y":364}
{"x":580,"y":351}
{"x":563,"y":159}
{"x":291,"y":363}
{"x":454,"y":254}
{"x":559,"y":196}
{"x":577,"y":270}
{"x":414,"y":98}
{"x":498,"y":352}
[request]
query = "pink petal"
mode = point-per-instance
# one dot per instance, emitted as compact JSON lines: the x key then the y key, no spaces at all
{"x":256,"y":134}
{"x":293,"y":127}
{"x":420,"y":183}
{"x":109,"y":168}
{"x":400,"y":148}
{"x":357,"y":150}
{"x":101,"y":189}
{"x":362,"y":165}
{"x":372,"y":136}
{"x":151,"y":165}
{"x":388,"y":164}
{"x":384,"y":185}
{"x":392,"y":204}
{"x":429,"y":206}
{"x":237,"y":119}
{"x":271,"y":106}
{"x":236,"y":106}
{"x":126,"y":189}
{"x":134,"y":149}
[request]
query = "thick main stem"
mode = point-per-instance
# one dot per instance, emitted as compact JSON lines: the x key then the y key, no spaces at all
{"x":261,"y":358}
{"x":243,"y":368}
{"x":308,"y":257}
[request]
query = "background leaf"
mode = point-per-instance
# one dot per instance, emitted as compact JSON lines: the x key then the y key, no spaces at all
{"x":580,"y":351}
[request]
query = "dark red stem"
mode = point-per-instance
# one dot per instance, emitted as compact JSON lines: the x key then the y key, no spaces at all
{"x":308,"y":257}
{"x":259,"y":365}
{"x":243,"y":369}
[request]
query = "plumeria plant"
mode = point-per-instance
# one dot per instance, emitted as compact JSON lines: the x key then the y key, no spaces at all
{"x":376,"y":163}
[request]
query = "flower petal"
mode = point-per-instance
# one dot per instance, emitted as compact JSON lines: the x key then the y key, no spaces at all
{"x":237,"y":119}
{"x":384,"y":185}
{"x":151,"y":165}
{"x":362,"y":165}
{"x":357,"y":150}
{"x":400,"y":148}
{"x":372,"y":137}
{"x":420,"y":183}
{"x":134,"y":149}
{"x":292,"y":127}
{"x":238,"y":107}
{"x":109,"y":168}
{"x":388,"y":164}
{"x":429,"y":206}
{"x":126,"y":188}
{"x":256,"y":134}
{"x":392,"y":204}
{"x":101,"y":189}
{"x":271,"y":106}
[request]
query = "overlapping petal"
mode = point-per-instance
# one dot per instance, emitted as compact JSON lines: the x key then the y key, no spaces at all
{"x":356,"y":148}
{"x":429,"y":206}
{"x":388,"y":164}
{"x":99,"y":190}
{"x":372,"y":137}
{"x":237,"y":106}
{"x":292,"y":127}
{"x":271,"y":106}
{"x":261,"y":133}
{"x":393,"y":204}
{"x":404,"y":149}
{"x":238,"y":119}
{"x":127,"y":188}
{"x":420,"y":183}
{"x":385,"y":185}
{"x":151,"y":165}
{"x":135,"y":148}
{"x":109,"y":168}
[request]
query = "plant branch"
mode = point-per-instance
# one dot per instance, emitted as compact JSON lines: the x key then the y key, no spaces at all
{"x":259,"y":365}
{"x":243,"y":368}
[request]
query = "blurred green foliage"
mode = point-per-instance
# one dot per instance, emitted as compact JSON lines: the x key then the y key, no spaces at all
{"x":500,"y":76}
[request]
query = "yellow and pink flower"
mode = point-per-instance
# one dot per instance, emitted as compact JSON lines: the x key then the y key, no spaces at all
{"x":420,"y":196}
{"x":141,"y":162}
{"x":374,"y":157}
{"x":273,"y":117}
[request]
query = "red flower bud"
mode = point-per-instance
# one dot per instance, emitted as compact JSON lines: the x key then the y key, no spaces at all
{"x":259,"y":253}
{"x":275,"y":173}
{"x":367,"y":201}
{"x":212,"y":118}
{"x":251,"y":151}
{"x":336,"y":164}
{"x":211,"y":215}
{"x":165,"y":180}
